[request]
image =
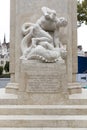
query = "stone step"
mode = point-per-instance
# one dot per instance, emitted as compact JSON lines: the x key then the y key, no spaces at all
{"x":6,"y":99}
{"x":74,"y":88}
{"x":43,"y":121}
{"x":82,"y":95}
{"x":12,"y":99}
{"x":43,"y":128}
{"x":43,"y":109}
{"x":4,"y":95}
{"x":78,"y":99}
{"x":77,"y":102}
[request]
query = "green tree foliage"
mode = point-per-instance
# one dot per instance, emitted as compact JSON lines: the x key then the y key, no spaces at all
{"x":1,"y":70}
{"x":82,"y":12}
{"x":6,"y":67}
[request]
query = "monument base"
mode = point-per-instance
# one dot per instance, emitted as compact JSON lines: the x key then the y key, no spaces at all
{"x":74,"y":88}
{"x":12,"y":88}
{"x":43,"y":83}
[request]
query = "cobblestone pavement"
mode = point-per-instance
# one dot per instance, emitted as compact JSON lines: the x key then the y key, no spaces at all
{"x":3,"y":82}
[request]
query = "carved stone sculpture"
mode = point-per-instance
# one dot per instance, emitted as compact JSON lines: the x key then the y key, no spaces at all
{"x":41,"y":40}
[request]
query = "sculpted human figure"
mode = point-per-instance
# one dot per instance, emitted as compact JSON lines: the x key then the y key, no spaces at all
{"x":51,"y":23}
{"x":41,"y":40}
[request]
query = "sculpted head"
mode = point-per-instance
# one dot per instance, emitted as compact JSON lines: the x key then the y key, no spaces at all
{"x":49,"y":13}
{"x":62,"y":22}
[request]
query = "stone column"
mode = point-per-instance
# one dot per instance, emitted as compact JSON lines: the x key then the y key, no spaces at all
{"x":12,"y":38}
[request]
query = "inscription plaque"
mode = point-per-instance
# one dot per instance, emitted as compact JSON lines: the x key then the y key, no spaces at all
{"x":44,"y":77}
{"x":43,"y":83}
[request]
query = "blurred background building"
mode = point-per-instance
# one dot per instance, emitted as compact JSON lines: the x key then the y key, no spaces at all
{"x":4,"y":52}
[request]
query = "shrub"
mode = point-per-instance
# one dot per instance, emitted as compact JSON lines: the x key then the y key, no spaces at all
{"x":6,"y":67}
{"x":5,"y":76}
{"x":1,"y":70}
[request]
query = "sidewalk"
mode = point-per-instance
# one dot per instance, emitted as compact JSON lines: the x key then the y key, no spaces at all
{"x":3,"y":82}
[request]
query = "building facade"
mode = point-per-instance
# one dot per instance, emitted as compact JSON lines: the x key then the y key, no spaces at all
{"x":4,"y":52}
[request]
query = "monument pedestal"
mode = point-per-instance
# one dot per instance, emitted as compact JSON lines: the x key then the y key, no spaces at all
{"x":74,"y":88}
{"x":43,"y":83}
{"x":12,"y":88}
{"x":40,"y":91}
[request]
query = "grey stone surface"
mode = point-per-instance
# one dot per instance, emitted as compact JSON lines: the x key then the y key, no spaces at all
{"x":41,"y":77}
{"x":4,"y":81}
{"x":23,"y":11}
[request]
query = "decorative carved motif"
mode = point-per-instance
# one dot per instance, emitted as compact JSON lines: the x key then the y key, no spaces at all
{"x":41,"y":40}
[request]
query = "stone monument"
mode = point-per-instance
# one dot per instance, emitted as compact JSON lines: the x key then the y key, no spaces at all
{"x":41,"y":40}
{"x":43,"y":67}
{"x":43,"y":51}
{"x":43,"y":70}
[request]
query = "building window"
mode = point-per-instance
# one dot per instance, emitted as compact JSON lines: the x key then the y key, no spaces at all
{"x":2,"y":62}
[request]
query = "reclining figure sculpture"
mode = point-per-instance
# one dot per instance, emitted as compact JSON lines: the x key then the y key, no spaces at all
{"x":41,"y":40}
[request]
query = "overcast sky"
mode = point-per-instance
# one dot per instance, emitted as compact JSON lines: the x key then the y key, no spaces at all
{"x":4,"y":19}
{"x":5,"y":25}
{"x":82,"y":36}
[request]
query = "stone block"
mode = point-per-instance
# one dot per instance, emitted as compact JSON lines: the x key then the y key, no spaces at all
{"x":43,"y":83}
{"x":44,"y":77}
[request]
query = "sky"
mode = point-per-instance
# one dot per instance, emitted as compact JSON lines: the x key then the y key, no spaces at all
{"x":82,"y":36}
{"x":5,"y":26}
{"x":4,"y":20}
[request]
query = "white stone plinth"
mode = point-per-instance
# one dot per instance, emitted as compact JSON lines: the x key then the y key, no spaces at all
{"x":42,"y":81}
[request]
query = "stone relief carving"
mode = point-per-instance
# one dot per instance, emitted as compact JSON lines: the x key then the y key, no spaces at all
{"x":41,"y":40}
